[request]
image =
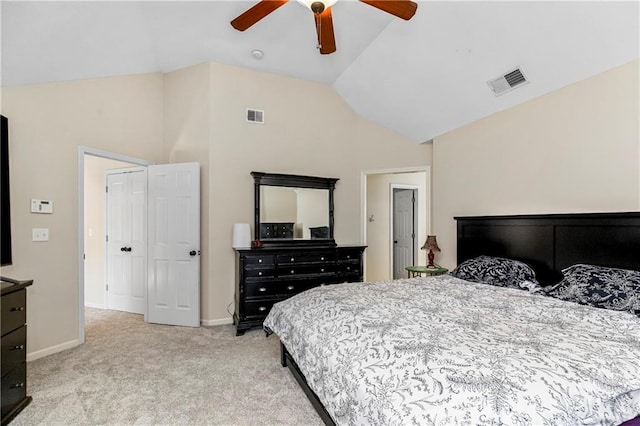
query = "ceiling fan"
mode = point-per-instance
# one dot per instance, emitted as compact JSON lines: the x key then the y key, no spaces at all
{"x":404,"y":9}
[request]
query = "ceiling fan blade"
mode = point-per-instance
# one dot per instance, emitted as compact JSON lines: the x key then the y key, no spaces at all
{"x":256,"y":13}
{"x":324,"y":28}
{"x":404,"y":9}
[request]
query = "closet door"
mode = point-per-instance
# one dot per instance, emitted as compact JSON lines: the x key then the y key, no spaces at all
{"x":126,"y":267}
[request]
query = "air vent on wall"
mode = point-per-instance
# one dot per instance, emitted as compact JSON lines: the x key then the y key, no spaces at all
{"x":255,"y":116}
{"x":507,"y":82}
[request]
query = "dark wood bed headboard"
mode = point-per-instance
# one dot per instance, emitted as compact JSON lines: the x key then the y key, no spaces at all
{"x":552,"y":242}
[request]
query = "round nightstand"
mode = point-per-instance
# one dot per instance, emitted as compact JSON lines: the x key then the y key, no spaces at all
{"x":417,"y":271}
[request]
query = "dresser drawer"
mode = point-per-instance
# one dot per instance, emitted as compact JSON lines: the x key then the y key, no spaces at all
{"x":259,"y":272}
{"x":284,"y":288}
{"x":261,"y":289}
{"x":14,"y":388}
{"x":349,"y":254}
{"x":305,"y":258}
{"x":14,"y":349}
{"x":349,"y":267}
{"x":14,"y":310}
{"x":319,"y":270}
{"x":258,"y":308}
{"x":259,"y":260}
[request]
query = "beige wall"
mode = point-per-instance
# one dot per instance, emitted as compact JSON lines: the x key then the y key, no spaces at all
{"x":94,"y":227}
{"x":379,"y":230}
{"x":47,"y":124}
{"x":195,"y":114}
{"x":187,"y":138}
{"x":308,"y":130}
{"x":574,"y":150}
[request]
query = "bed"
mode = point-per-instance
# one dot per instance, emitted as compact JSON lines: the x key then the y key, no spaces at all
{"x":442,"y":350}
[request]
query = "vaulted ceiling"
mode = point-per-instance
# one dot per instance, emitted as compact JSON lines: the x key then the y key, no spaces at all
{"x":420,"y":78}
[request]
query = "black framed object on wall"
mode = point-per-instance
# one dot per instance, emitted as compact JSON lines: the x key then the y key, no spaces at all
{"x":5,"y":205}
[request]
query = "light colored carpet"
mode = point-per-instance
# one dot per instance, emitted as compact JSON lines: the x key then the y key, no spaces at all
{"x":129,"y":372}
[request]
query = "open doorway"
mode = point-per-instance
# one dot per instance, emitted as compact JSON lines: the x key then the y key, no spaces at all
{"x":95,"y":209}
{"x":92,"y":164}
{"x":383,"y":261}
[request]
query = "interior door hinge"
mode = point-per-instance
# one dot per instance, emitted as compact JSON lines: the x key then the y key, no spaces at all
{"x":106,"y":189}
{"x":107,"y":287}
{"x":106,"y":237}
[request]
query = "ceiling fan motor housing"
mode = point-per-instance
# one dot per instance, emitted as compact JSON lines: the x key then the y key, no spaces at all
{"x":317,"y":7}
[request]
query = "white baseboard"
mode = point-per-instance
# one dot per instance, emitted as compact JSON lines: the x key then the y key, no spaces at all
{"x":95,"y":305}
{"x":52,"y":350}
{"x":223,"y":321}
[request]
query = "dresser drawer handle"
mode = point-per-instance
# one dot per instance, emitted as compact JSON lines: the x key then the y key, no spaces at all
{"x":262,"y":309}
{"x":348,"y":268}
{"x":16,"y":348}
{"x":293,"y":259}
{"x":290,"y":287}
{"x":259,"y":260}
{"x":348,"y":257}
{"x":262,"y":289}
{"x":293,"y":272}
{"x":19,"y":308}
{"x":322,"y":258}
{"x":17,"y":385}
{"x":260,"y":273}
{"x":322,"y":270}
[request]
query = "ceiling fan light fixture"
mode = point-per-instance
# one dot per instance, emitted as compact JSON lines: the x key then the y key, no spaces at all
{"x":311,"y":4}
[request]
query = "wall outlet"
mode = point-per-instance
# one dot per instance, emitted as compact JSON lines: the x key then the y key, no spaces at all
{"x":40,"y":234}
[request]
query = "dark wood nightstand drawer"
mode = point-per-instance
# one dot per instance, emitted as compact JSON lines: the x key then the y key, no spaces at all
{"x":14,"y":349}
{"x":14,"y":310}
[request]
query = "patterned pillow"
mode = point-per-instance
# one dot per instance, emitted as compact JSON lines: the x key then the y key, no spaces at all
{"x":608,"y":288}
{"x":497,"y":271}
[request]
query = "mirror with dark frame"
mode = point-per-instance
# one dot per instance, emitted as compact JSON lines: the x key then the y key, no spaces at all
{"x":293,"y":209}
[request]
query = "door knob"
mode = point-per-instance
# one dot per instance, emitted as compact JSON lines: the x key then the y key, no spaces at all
{"x":193,"y":252}
{"x":123,"y":249}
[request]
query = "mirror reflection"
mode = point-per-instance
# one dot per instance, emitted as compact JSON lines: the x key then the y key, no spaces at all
{"x":294,"y":213}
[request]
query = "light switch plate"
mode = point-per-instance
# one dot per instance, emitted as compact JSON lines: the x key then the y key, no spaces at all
{"x":40,"y":234}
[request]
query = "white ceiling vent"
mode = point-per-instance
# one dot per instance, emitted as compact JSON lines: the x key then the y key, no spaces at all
{"x":508,"y":82}
{"x":255,"y":116}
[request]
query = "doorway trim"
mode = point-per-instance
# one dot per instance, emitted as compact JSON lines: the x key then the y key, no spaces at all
{"x":82,"y":151}
{"x":363,"y":199}
{"x":414,"y":249}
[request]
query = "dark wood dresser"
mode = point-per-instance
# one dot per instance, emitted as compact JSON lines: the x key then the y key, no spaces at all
{"x":14,"y":348}
{"x":268,"y":275}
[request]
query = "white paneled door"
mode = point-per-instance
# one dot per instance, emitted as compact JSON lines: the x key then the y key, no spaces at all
{"x":173,"y":292}
{"x":126,"y":239}
{"x":404,"y":229}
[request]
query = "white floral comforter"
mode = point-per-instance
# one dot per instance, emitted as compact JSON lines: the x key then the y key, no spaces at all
{"x":443,"y":351}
